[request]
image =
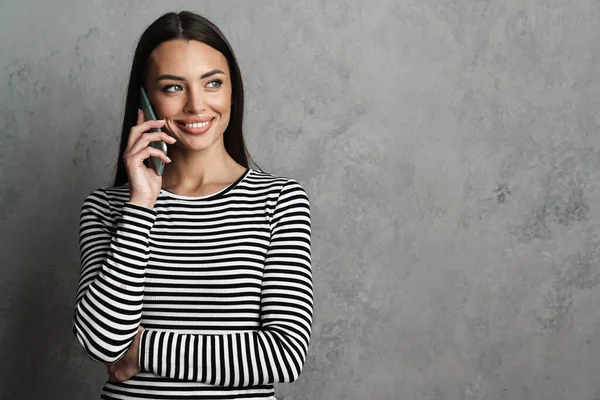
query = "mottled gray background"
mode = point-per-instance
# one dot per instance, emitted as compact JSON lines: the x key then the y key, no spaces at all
{"x":451,"y":150}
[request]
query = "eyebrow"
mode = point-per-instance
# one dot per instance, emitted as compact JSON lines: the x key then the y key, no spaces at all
{"x":180,"y":78}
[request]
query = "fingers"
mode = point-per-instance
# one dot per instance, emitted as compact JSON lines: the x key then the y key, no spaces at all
{"x":133,"y":160}
{"x":112,"y":374}
{"x":116,"y":377}
{"x":137,"y":145}
{"x":117,"y":371}
{"x":142,"y":126}
{"x":121,"y":372}
{"x":138,"y":131}
{"x":145,"y":139}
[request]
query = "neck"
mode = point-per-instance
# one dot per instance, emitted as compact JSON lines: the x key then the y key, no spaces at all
{"x":196,"y":173}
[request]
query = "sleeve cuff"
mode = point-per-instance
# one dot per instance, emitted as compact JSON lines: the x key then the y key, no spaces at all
{"x":143,"y":351}
{"x":139,"y":210}
{"x":138,"y":215}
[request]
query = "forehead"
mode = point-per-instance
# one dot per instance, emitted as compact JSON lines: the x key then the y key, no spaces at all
{"x":186,"y":57}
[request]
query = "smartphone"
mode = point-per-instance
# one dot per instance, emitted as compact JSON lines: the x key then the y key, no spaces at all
{"x":149,"y":114}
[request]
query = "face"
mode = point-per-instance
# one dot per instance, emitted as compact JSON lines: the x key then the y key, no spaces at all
{"x":189,"y":85}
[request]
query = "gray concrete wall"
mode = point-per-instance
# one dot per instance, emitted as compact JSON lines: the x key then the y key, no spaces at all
{"x":451,"y":150}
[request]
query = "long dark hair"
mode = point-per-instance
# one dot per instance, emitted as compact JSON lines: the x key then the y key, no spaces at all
{"x":184,"y":25}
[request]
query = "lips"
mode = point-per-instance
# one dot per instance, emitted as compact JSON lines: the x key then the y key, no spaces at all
{"x":195,"y":126}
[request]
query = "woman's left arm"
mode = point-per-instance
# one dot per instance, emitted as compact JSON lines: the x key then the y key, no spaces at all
{"x":276,"y":351}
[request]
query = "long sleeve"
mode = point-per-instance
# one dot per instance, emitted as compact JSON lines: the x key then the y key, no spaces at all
{"x":108,"y":304}
{"x":276,"y":351}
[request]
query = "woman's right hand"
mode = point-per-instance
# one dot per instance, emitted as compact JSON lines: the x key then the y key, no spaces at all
{"x":144,"y":182}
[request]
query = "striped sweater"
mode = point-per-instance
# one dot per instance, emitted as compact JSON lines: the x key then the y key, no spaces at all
{"x":222,"y":285}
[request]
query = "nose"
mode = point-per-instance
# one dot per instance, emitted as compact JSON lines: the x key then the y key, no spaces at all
{"x":195,"y":102}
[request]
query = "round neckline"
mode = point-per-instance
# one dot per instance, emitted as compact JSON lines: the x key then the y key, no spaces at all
{"x":216,"y":194}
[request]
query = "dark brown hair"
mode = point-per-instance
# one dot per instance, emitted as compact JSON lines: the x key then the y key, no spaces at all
{"x":184,"y":25}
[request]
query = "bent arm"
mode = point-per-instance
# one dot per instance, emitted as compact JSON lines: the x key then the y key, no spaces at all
{"x":108,"y":305}
{"x":276,"y":351}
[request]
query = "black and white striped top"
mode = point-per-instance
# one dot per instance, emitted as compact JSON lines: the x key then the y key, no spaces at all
{"x":222,"y":285}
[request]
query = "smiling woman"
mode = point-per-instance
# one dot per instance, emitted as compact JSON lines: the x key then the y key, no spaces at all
{"x":197,"y":283}
{"x":189,"y":83}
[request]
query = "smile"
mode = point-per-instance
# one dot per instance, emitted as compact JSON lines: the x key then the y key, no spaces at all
{"x":196,"y":127}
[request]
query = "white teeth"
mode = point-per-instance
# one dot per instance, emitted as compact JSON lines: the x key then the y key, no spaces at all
{"x":196,"y":125}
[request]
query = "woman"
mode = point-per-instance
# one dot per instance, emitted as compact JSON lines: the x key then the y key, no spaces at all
{"x":195,"y":284}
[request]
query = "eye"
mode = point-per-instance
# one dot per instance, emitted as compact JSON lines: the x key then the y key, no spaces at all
{"x":215,"y":84}
{"x":172,"y":88}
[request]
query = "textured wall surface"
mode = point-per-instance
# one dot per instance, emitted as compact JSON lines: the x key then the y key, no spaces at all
{"x":451,"y":150}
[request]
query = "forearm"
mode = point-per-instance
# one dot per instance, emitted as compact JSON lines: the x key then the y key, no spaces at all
{"x":238,"y":359}
{"x":111,"y":287}
{"x":276,"y":350}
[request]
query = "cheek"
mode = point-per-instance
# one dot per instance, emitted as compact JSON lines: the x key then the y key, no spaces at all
{"x":222,"y":103}
{"x":167,"y":109}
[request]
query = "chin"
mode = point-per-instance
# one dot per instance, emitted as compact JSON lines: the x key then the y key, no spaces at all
{"x":201,"y":144}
